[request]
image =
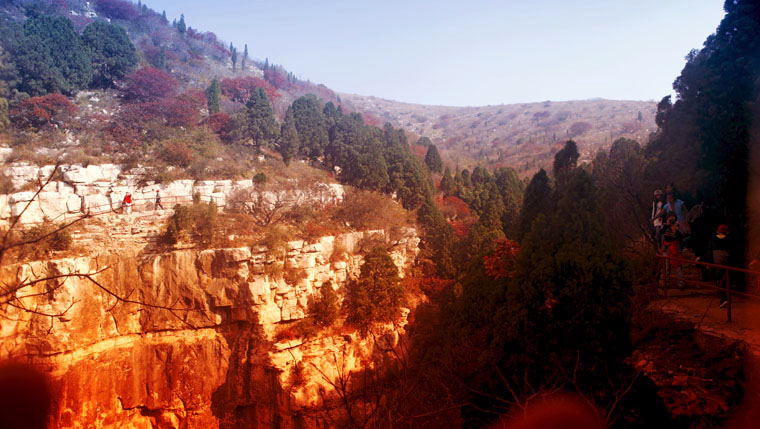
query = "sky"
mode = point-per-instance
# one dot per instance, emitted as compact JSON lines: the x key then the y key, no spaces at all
{"x":467,"y":53}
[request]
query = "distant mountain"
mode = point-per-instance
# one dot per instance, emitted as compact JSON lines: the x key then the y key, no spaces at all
{"x":524,"y":136}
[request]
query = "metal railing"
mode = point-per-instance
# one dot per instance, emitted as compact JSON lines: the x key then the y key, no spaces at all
{"x":722,"y":284}
{"x":117,"y":207}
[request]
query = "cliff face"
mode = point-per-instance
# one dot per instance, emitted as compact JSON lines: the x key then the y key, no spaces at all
{"x":209,"y":361}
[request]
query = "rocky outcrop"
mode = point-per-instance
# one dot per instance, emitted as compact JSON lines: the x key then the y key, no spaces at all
{"x":211,"y":359}
{"x":100,"y":188}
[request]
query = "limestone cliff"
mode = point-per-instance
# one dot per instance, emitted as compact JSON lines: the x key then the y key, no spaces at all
{"x":212,"y":361}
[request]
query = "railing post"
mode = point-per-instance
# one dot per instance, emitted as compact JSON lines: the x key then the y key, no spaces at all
{"x":728,"y":294}
{"x":665,"y":278}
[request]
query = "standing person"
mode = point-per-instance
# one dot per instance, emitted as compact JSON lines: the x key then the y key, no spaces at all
{"x":656,"y":216}
{"x":720,"y":246}
{"x":158,"y":201}
{"x":676,"y":205}
{"x":127,"y":203}
{"x":671,"y":246}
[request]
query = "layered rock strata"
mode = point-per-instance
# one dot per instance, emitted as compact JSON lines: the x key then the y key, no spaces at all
{"x":210,"y":360}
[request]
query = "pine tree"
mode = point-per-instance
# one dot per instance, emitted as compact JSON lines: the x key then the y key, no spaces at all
{"x":255,"y":121}
{"x":162,"y":59}
{"x":163,"y":17}
{"x":266,"y":63}
{"x":212,"y":97}
{"x":565,"y":160}
{"x":311,"y":126}
{"x":245,"y":56}
{"x":433,"y":159}
{"x":234,"y":58}
{"x":448,"y":187}
{"x":181,"y":27}
{"x":538,"y":201}
{"x":288,"y":142}
{"x":110,"y":51}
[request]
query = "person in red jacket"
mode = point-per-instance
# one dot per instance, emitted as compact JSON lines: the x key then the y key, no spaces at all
{"x":671,"y":246}
{"x":127,"y":203}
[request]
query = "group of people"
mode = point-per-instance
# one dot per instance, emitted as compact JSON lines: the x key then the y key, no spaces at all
{"x":672,"y":225}
{"x":126,"y":203}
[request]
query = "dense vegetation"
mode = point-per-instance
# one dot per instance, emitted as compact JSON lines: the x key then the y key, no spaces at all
{"x":530,"y":285}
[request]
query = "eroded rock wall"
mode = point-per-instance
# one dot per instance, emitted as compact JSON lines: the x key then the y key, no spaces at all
{"x":212,"y":360}
{"x":100,"y":188}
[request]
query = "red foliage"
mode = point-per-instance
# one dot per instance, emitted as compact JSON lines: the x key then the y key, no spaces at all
{"x":218,"y":122}
{"x":499,"y":264}
{"x":38,"y":111}
{"x":371,"y":119}
{"x":461,"y":229}
{"x":240,"y":89}
{"x":117,"y":9}
{"x":123,"y":134}
{"x":195,"y":96}
{"x":180,"y":112}
{"x":456,"y":205}
{"x":149,"y":84}
{"x":175,"y":112}
{"x":277,"y":77}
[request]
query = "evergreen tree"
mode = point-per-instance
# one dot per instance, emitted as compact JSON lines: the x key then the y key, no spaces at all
{"x":245,"y":57}
{"x":288,"y":143}
{"x":568,"y":302}
{"x":433,"y":159}
{"x":311,"y":126}
{"x":377,"y":294}
{"x":424,"y":141}
{"x":538,"y":201}
{"x":439,"y":238}
{"x":266,"y":63}
{"x":43,"y":65}
{"x":234,"y":58}
{"x":255,"y":121}
{"x":162,"y":59}
{"x":111,"y":52}
{"x":9,"y":76}
{"x":163,"y":17}
{"x":213,"y":94}
{"x":565,"y":160}
{"x":448,"y":187}
{"x":181,"y":27}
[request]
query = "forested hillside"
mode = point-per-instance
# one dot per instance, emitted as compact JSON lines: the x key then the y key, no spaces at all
{"x":535,"y":220}
{"x":524,"y":136}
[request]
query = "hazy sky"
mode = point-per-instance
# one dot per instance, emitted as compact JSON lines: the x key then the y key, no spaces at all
{"x":467,"y":52}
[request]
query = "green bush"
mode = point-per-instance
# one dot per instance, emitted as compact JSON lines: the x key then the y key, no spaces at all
{"x":325,"y":308}
{"x":259,"y":179}
{"x":195,"y":223}
{"x":57,"y":241}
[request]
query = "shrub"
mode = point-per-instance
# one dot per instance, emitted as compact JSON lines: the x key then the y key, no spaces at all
{"x":149,"y":84}
{"x":196,"y":223}
{"x":38,"y":111}
{"x":371,"y":210}
{"x":259,"y":179}
{"x":241,"y":89}
{"x":325,"y":308}
{"x":6,"y":185}
{"x":57,"y":241}
{"x":177,"y":154}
